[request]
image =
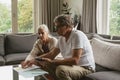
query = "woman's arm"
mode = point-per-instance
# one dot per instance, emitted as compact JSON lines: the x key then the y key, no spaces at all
{"x":33,"y":53}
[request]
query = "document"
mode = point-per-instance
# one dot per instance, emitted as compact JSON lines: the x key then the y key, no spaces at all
{"x":30,"y":71}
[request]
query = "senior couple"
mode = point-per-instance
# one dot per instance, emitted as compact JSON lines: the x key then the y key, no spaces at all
{"x":73,"y":45}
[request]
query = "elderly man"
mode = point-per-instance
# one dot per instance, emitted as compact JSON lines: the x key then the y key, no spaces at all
{"x":76,"y":50}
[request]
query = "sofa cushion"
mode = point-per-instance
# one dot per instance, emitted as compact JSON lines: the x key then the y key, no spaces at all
{"x":106,"y":75}
{"x":19,"y":43}
{"x":89,"y":35}
{"x":2,"y":61}
{"x":101,"y":68}
{"x":106,"y":39}
{"x":15,"y":58}
{"x":104,"y":36}
{"x":106,"y":54}
{"x":115,"y":37}
{"x":2,"y":45}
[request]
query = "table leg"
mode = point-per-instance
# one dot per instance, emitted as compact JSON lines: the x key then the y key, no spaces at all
{"x":38,"y":77}
{"x":15,"y":75}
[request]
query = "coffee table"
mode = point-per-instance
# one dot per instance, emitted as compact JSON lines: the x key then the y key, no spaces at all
{"x":8,"y":73}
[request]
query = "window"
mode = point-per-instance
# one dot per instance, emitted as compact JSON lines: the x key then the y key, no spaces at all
{"x":16,"y":16}
{"x":25,"y":19}
{"x":114,"y":18}
{"x":5,"y":16}
{"x":108,"y":17}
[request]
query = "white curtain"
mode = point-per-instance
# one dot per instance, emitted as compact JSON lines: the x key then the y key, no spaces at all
{"x":45,"y":12}
{"x":88,"y":18}
{"x":103,"y":16}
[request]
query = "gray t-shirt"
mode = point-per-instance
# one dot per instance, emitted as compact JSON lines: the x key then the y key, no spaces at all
{"x":77,"y":40}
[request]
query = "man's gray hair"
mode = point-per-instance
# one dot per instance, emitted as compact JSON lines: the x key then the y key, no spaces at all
{"x":63,"y":20}
{"x":44,"y":27}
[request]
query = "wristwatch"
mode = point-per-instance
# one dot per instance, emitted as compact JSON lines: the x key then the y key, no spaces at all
{"x":38,"y":59}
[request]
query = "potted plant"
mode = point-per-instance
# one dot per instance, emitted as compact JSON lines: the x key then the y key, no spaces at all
{"x":66,"y":9}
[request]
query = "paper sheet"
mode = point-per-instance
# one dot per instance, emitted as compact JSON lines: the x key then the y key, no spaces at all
{"x":30,"y":72}
{"x":19,"y":69}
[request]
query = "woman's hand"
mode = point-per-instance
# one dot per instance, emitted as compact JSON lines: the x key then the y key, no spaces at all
{"x":26,"y":64}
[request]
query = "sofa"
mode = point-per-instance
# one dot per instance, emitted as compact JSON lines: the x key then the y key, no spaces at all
{"x":14,"y":48}
{"x":106,"y":51}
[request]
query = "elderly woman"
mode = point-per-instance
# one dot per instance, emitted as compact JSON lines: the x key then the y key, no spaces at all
{"x":44,"y":44}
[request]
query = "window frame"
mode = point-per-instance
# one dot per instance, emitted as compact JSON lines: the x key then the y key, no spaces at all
{"x":14,"y":16}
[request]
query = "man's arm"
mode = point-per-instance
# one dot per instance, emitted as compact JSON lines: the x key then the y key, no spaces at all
{"x":70,"y":61}
{"x":52,"y":54}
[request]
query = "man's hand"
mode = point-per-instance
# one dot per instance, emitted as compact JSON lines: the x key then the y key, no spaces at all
{"x":44,"y":63}
{"x":47,"y":60}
